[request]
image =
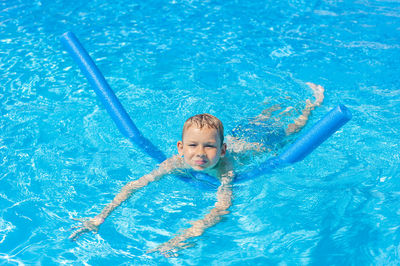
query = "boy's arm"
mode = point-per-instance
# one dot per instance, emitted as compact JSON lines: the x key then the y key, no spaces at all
{"x":224,"y":201}
{"x":301,"y":121}
{"x":92,"y":224}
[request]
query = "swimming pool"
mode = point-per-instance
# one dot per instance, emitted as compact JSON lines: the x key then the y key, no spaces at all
{"x":62,"y":156}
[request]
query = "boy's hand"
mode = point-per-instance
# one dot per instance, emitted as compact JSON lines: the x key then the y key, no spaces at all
{"x":170,"y":249}
{"x":87,"y":225}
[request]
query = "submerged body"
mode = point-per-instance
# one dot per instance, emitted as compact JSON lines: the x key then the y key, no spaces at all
{"x":203,"y":149}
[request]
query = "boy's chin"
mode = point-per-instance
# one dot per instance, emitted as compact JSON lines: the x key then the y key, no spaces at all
{"x":202,"y":169}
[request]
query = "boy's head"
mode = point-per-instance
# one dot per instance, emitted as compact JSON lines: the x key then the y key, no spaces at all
{"x":202,"y":142}
{"x":205,"y":121}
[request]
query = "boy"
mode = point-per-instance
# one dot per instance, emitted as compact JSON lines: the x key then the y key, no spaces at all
{"x":202,"y":148}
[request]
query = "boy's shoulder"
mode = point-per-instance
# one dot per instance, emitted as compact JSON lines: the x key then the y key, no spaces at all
{"x":226,"y":166}
{"x":172,"y":164}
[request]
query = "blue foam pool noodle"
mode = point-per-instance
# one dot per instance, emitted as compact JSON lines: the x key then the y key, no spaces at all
{"x":317,"y":134}
{"x":305,"y":144}
{"x":107,"y":96}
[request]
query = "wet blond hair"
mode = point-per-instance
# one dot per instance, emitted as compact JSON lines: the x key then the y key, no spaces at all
{"x":205,"y":120}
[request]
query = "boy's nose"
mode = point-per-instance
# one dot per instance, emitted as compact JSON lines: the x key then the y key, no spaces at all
{"x":200,"y":151}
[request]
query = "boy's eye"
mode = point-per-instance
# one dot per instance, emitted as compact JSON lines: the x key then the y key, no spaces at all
{"x":192,"y":145}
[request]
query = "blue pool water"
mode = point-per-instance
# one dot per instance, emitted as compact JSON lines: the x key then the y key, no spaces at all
{"x":61,"y":156}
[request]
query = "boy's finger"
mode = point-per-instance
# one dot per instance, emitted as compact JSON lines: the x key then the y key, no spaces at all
{"x":75,"y":227}
{"x":77,"y":233}
{"x":79,"y":219}
{"x":72,"y":237}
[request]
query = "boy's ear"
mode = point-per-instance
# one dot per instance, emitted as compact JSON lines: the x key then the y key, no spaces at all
{"x":223,"y":149}
{"x":180,"y":147}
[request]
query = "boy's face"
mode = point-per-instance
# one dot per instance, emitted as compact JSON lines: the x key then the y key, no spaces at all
{"x":201,"y":148}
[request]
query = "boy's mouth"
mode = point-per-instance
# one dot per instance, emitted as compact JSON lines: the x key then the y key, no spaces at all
{"x":200,"y":162}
